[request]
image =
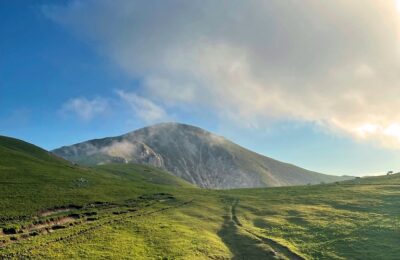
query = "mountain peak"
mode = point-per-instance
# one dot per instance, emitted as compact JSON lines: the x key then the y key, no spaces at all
{"x":171,"y":126}
{"x":194,"y":154}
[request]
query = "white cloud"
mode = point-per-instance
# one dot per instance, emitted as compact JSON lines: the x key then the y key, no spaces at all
{"x":122,"y":149}
{"x":84,"y":108}
{"x":334,"y":63}
{"x":143,"y":107}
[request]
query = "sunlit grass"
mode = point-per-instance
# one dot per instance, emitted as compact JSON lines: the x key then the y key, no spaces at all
{"x":350,"y":220}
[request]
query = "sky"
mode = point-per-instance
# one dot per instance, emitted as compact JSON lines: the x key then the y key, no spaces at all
{"x":313,"y":83}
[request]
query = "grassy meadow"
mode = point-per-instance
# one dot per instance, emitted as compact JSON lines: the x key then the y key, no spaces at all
{"x":50,"y":208}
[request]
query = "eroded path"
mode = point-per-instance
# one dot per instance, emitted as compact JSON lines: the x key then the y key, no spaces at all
{"x":246,"y":244}
{"x":84,"y":221}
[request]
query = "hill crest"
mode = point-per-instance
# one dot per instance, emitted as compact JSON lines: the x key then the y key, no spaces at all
{"x":194,"y":154}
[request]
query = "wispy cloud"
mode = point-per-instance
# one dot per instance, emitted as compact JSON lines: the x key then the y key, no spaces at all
{"x":333,"y":63}
{"x":84,"y":108}
{"x":144,"y":108}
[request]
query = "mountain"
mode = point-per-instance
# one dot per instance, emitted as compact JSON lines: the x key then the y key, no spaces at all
{"x":193,"y":154}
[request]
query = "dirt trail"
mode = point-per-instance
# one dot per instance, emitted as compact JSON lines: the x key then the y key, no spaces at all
{"x":54,"y":211}
{"x":50,"y":224}
{"x":278,"y":250}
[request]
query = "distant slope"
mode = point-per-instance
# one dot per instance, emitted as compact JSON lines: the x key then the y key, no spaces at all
{"x":139,"y":173}
{"x":198,"y":156}
{"x":32,"y":179}
{"x":392,"y":179}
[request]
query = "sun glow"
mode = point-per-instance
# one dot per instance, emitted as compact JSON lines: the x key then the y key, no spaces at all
{"x":393,"y":131}
{"x":388,"y":135}
{"x":367,"y":129}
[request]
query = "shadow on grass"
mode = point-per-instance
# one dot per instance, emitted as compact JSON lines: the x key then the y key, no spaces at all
{"x":242,"y":246}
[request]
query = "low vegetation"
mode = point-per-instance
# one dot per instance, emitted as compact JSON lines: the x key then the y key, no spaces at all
{"x":50,"y":208}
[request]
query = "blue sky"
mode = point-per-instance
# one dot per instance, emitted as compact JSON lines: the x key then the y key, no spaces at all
{"x":77,"y":70}
{"x":43,"y":66}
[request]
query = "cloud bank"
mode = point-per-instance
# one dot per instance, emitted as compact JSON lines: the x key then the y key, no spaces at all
{"x":144,"y":108}
{"x":84,"y":108}
{"x":331,"y":63}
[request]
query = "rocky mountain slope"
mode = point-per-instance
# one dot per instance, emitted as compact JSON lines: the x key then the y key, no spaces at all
{"x":198,"y":156}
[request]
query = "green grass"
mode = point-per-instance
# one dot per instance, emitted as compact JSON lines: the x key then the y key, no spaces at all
{"x":342,"y":221}
{"x":140,"y":212}
{"x":32,"y":179}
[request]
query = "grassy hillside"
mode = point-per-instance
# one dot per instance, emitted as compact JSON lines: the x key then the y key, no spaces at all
{"x":52,"y":209}
{"x":351,"y":220}
{"x":32,"y":179}
{"x":144,"y":174}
